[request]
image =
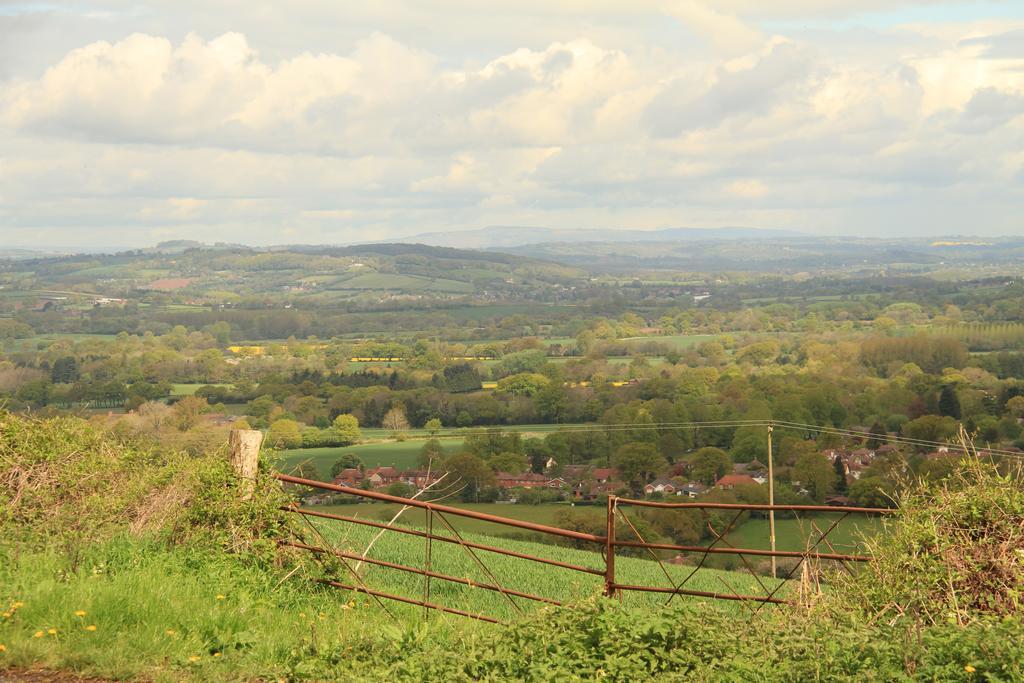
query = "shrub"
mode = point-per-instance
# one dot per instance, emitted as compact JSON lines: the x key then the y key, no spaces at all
{"x":954,"y":551}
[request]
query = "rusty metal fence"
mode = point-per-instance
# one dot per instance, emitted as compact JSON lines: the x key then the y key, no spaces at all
{"x":607,"y":545}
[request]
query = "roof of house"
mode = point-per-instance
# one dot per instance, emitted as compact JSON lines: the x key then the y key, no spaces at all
{"x":735,"y":480}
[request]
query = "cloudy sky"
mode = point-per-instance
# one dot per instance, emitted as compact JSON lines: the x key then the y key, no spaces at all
{"x":126,"y":123}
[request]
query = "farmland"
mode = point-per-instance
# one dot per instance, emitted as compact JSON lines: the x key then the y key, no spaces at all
{"x":791,"y":533}
{"x":399,"y":454}
{"x":513,"y":573}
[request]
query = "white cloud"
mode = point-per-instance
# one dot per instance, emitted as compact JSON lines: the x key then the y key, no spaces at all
{"x":211,"y":135}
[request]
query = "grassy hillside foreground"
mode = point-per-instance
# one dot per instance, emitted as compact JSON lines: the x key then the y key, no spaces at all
{"x":118,"y":560}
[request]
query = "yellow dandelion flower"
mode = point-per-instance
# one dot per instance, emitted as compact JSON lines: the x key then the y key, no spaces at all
{"x":80,"y":613}
{"x":38,"y":634}
{"x":216,"y":654}
{"x":17,"y":605}
{"x":170,"y":631}
{"x":90,"y":627}
{"x":969,"y":669}
{"x":302,"y":615}
{"x":52,"y":631}
{"x":220,"y":597}
{"x":194,"y":658}
{"x":3,"y":648}
{"x":7,"y":615}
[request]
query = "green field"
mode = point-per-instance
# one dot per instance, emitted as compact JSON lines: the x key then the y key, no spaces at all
{"x":790,"y":534}
{"x":45,"y":340}
{"x":514,"y":573}
{"x":184,"y":389}
{"x":394,"y":281}
{"x":679,"y":342}
{"x":400,"y":454}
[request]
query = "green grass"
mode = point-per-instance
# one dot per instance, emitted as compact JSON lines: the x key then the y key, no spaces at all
{"x":168,"y":614}
{"x":792,"y":534}
{"x":400,"y":454}
{"x":155,"y":609}
{"x":679,"y":342}
{"x":189,"y":389}
{"x":540,"y":514}
{"x":514,"y":573}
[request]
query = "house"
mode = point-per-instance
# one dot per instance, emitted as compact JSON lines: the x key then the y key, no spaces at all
{"x":419,"y":479}
{"x":382,"y":476}
{"x":528,"y":480}
{"x":731,"y":481}
{"x":350,"y":476}
{"x":691,"y":490}
{"x":748,"y":467}
{"x":602,"y":475}
{"x":666,"y":486}
{"x":863,"y":454}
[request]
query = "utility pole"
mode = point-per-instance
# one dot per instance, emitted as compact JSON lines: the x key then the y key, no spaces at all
{"x":771,"y":500}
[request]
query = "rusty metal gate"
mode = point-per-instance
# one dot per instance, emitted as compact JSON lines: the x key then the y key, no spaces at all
{"x":606,"y":545}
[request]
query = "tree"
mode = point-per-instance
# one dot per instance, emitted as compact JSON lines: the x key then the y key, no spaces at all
{"x":400,"y":489}
{"x":551,"y":402}
{"x":523,"y":384}
{"x":433,"y":426}
{"x":815,"y":473}
{"x":347,"y":428}
{"x":347,"y":461}
{"x":638,"y":463}
{"x":930,"y":428}
{"x":64,"y":370}
{"x":284,"y":433}
{"x":187,"y":412}
{"x":709,"y":464}
{"x":840,"y":485}
{"x":395,"y":419}
{"x":949,"y":402}
{"x":878,"y":435}
{"x":431,"y":451}
{"x":871,"y":492}
{"x":471,"y":472}
{"x":513,"y":463}
{"x":1015,"y":406}
{"x":306,"y":470}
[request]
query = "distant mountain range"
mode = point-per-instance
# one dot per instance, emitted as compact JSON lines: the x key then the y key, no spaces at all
{"x":506,"y":236}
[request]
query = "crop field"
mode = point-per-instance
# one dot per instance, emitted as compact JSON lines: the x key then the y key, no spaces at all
{"x":790,"y":534}
{"x":512,"y":573}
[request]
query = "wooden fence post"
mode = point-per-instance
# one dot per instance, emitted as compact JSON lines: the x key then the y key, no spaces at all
{"x":244,"y":452}
{"x":609,"y":549}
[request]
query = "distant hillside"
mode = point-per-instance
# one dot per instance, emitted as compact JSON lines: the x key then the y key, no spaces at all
{"x":766,"y":253}
{"x":503,"y":236}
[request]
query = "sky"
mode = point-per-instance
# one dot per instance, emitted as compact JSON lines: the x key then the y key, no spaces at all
{"x":127,"y":123}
